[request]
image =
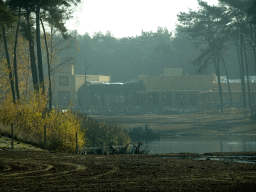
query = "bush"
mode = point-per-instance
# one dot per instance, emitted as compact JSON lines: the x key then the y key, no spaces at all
{"x":61,"y":131}
{"x":100,"y":132}
{"x":143,"y":134}
{"x":124,"y":149}
{"x":136,"y":149}
{"x":29,"y":119}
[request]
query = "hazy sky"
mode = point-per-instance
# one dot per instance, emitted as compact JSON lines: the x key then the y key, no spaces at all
{"x":127,"y":18}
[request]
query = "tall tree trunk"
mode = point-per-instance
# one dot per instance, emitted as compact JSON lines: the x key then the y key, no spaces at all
{"x":27,"y":81}
{"x":248,"y":80}
{"x":217,"y":68}
{"x":51,"y":58}
{"x":15,"y":61}
{"x":32,"y":54}
{"x":253,"y":44}
{"x":242,"y":75}
{"x":49,"y":68}
{"x":8,"y":64}
{"x":254,"y":51}
{"x":39,"y":52}
{"x":219,"y":83}
{"x":229,"y":90}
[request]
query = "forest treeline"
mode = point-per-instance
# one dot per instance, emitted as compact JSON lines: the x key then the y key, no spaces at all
{"x":147,"y":54}
{"x":150,"y":52}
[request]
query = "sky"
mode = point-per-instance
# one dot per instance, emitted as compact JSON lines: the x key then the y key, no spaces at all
{"x":128,"y":18}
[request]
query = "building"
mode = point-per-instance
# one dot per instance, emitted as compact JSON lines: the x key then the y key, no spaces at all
{"x":66,"y":85}
{"x":147,"y":92}
{"x":103,"y":96}
{"x":174,"y":90}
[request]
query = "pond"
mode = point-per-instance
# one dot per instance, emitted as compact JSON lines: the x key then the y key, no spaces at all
{"x":202,"y":144}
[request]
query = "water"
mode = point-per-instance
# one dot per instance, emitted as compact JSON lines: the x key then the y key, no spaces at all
{"x":202,"y":144}
{"x":239,"y":159}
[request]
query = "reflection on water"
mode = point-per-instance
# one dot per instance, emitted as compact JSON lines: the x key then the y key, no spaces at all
{"x":202,"y":144}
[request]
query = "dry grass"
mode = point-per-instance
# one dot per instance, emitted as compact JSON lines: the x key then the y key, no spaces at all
{"x":22,"y":135}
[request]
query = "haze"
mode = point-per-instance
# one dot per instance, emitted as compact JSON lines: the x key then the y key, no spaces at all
{"x":128,"y":18}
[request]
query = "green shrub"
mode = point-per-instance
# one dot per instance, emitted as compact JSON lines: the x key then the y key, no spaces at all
{"x":122,"y":150}
{"x":100,"y":132}
{"x":143,"y":134}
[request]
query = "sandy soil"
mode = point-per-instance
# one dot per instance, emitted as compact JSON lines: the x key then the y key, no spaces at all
{"x":188,"y":123}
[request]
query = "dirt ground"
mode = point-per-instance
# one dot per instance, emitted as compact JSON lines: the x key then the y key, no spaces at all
{"x":33,"y":170}
{"x":45,"y":171}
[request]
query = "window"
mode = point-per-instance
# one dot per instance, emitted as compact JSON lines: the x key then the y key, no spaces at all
{"x":63,"y":80}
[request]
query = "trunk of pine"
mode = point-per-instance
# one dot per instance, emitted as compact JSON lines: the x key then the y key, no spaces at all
{"x":8,"y":64}
{"x":254,"y":50}
{"x":248,"y":80}
{"x":49,"y":68}
{"x":32,"y":55}
{"x":253,"y":44}
{"x":229,"y":90}
{"x":39,"y":52}
{"x":15,"y":62}
{"x":219,"y":83}
{"x":242,"y":75}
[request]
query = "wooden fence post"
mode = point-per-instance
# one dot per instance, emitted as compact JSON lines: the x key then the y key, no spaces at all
{"x":45,"y":137}
{"x":12,"y":134}
{"x":102,"y":148}
{"x":76,"y":144}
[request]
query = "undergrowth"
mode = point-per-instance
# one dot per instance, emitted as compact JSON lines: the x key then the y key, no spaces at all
{"x":125,"y":149}
{"x":98,"y":132}
{"x":143,"y":134}
{"x":30,"y":117}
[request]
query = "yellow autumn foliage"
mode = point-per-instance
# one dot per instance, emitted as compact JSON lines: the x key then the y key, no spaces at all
{"x":31,"y":116}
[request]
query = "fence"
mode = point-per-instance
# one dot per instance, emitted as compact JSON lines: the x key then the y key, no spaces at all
{"x":44,"y":139}
{"x":103,"y":149}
